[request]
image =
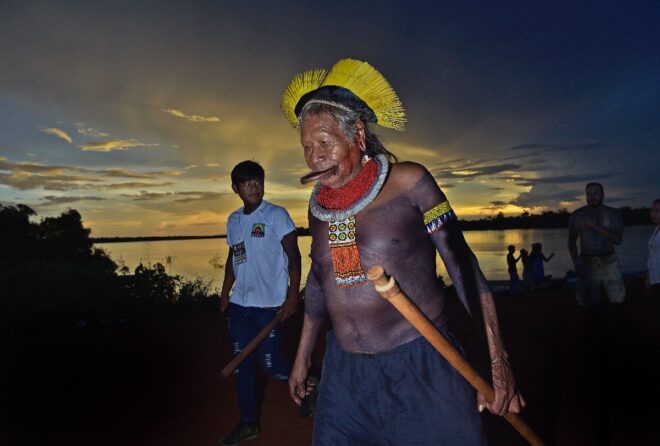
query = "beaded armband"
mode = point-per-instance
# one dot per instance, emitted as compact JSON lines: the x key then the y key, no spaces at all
{"x":436,"y":217}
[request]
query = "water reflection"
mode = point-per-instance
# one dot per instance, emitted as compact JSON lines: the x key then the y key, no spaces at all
{"x":206,"y":258}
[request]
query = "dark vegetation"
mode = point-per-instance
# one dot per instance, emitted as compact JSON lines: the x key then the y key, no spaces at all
{"x":154,"y":238}
{"x":545,"y":220}
{"x":549,"y":219}
{"x":51,"y":277}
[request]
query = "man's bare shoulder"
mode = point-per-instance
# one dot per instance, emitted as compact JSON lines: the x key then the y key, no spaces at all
{"x":579,"y":211}
{"x":611,"y":210}
{"x":406,"y":174}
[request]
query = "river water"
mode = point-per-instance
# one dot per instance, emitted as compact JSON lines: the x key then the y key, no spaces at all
{"x":205,"y":258}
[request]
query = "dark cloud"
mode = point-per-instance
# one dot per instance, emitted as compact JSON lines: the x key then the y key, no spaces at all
{"x":528,"y":147}
{"x":126,"y":173}
{"x":127,"y":185}
{"x":190,"y":197}
{"x":518,"y":156}
{"x":559,"y":179}
{"x":180,"y":197}
{"x":51,"y":182}
{"x":30,"y":167}
{"x":148,"y":196}
{"x":572,"y":147}
{"x":567,"y":179}
{"x":547,"y":196}
{"x":579,"y":147}
{"x":471,"y":171}
{"x":54,"y":200}
{"x":28,"y":176}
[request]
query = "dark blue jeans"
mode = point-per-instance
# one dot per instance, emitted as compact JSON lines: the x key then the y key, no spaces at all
{"x":244,"y":324}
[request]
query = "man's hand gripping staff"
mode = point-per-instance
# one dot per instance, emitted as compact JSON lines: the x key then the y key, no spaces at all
{"x":389,"y":290}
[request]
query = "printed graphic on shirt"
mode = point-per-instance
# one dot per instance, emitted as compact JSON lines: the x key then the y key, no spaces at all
{"x":258,"y":230}
{"x":238,"y":252}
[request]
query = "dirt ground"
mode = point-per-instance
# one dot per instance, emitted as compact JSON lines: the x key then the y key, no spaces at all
{"x":159,"y":383}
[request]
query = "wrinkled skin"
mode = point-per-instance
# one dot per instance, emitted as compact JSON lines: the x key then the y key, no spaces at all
{"x":390,"y":232}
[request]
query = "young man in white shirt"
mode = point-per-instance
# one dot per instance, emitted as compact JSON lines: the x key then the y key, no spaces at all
{"x":263,"y":267}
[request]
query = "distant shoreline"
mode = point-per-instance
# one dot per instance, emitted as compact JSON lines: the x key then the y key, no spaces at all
{"x":96,"y":240}
{"x":496,"y":224}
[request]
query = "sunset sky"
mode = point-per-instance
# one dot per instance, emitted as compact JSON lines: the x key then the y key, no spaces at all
{"x":134,"y":112}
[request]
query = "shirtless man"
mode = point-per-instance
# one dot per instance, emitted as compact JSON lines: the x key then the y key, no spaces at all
{"x":380,"y":379}
{"x":599,"y":229}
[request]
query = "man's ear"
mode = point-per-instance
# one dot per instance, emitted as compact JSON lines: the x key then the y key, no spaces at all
{"x":234,"y":188}
{"x":359,"y":136}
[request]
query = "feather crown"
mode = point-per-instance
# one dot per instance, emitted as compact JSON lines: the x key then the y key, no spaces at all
{"x":350,"y":84}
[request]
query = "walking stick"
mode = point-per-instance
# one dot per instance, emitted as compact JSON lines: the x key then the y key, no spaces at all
{"x":251,"y":346}
{"x":229,"y":368}
{"x":389,"y":290}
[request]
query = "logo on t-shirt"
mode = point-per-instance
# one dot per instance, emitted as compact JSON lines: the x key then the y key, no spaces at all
{"x":238,"y":253}
{"x":258,"y":230}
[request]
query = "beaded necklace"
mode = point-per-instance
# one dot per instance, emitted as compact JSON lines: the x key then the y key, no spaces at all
{"x":365,"y":200}
{"x":346,"y":195}
{"x":356,"y":195}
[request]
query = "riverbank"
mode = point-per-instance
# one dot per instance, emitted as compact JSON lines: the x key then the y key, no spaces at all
{"x":206,"y":258}
{"x":158,"y":383}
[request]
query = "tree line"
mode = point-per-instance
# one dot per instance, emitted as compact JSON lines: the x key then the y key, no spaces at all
{"x":51,"y":275}
{"x":548,"y":219}
{"x":545,"y":220}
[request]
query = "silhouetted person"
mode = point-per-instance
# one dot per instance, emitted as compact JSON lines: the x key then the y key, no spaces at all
{"x":537,"y":258}
{"x":527,"y":268}
{"x":653,"y":277}
{"x":514,"y":279}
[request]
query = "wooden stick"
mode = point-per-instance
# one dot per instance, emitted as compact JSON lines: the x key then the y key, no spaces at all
{"x":389,"y":290}
{"x":229,"y":368}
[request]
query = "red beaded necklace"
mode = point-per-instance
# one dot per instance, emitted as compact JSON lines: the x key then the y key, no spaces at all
{"x":346,"y":195}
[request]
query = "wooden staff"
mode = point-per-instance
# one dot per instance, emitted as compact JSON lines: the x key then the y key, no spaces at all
{"x":389,"y":290}
{"x":255,"y":341}
{"x":251,"y":346}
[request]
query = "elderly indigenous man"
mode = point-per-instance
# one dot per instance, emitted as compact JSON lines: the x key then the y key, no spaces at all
{"x":381,"y":382}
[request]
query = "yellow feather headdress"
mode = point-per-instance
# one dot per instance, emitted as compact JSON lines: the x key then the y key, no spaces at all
{"x":351,"y":84}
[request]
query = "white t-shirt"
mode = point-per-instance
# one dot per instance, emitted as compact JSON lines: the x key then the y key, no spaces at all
{"x":261,"y":267}
{"x":654,"y":257}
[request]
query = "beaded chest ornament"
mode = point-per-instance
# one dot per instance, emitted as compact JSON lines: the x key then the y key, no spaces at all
{"x":341,"y":222}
